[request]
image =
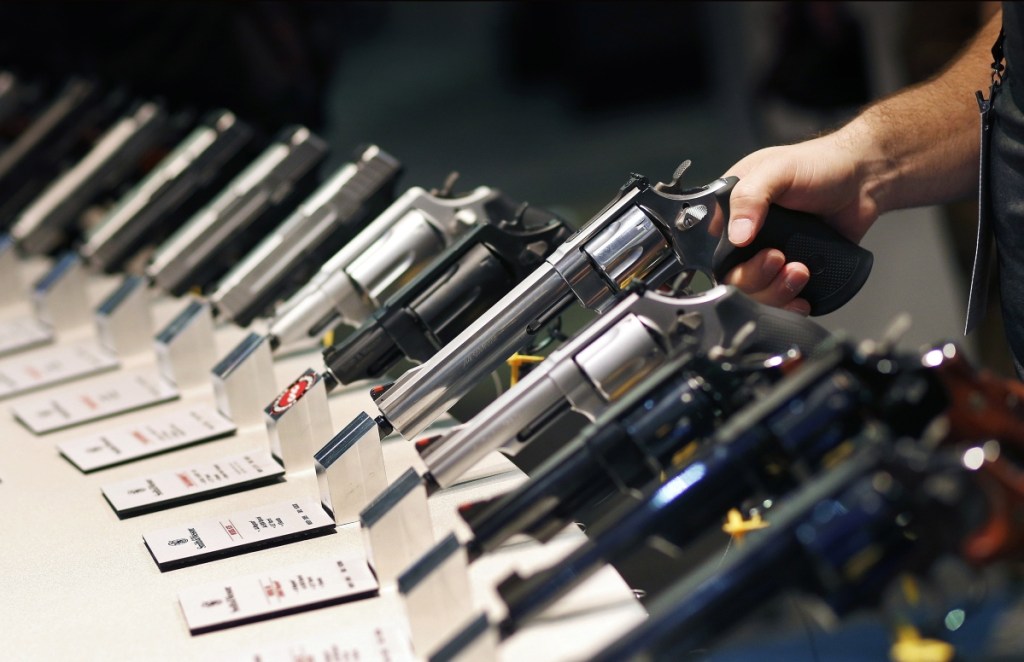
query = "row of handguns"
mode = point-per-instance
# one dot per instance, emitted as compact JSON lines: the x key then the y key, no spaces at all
{"x":698,"y":402}
{"x":867,"y":465}
{"x":223,"y":216}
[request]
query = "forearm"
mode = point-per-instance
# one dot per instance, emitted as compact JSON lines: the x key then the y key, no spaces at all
{"x":920,"y":146}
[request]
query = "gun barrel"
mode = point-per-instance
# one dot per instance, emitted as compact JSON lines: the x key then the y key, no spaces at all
{"x":586,"y":374}
{"x":268,"y":183}
{"x":422,"y":394}
{"x":317,"y":228}
{"x":456,"y":295}
{"x":376,"y":263}
{"x":703,"y":604}
{"x":625,"y":448}
{"x":154,"y":206}
{"x":61,"y":132}
{"x":720,"y":477}
{"x":43,"y":225}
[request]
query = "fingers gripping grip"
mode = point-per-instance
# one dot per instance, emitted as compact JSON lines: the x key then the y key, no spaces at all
{"x":839,"y":267}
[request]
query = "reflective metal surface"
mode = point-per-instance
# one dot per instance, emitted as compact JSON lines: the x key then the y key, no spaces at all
{"x":379,"y":260}
{"x":422,"y":394}
{"x":262,"y":185}
{"x":42,"y":225}
{"x":340,"y":202}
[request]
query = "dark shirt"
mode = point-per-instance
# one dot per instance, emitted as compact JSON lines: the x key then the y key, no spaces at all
{"x":1007,"y":182}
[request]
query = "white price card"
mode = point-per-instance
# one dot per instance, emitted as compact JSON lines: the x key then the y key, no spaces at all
{"x":276,"y":592}
{"x":185,"y":484}
{"x":23,"y":333}
{"x":92,"y":400}
{"x":156,"y":434}
{"x":238,"y":532}
{"x":370,"y":643}
{"x":47,"y":366}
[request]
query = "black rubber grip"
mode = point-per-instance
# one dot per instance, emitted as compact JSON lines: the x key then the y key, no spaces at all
{"x":778,"y":330}
{"x":839,"y":267}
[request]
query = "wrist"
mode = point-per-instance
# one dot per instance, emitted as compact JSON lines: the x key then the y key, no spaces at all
{"x":873,"y":166}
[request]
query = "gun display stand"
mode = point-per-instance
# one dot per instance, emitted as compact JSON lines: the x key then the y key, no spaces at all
{"x":350,"y":469}
{"x":477,"y":641}
{"x":182,"y":347}
{"x":59,"y":298}
{"x":297,"y":420}
{"x":59,"y":302}
{"x":11,"y":293}
{"x":132,"y":611}
{"x":104,"y":588}
{"x":123,"y":322}
{"x":243,"y":382}
{"x":397,"y":527}
{"x":294,"y":419}
{"x":437,"y":595}
{"x":123,"y":329}
{"x":185,"y":348}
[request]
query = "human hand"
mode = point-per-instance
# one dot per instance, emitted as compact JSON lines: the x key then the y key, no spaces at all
{"x":823,"y":176}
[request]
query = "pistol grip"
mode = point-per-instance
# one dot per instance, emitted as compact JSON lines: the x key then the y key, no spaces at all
{"x":839,"y":267}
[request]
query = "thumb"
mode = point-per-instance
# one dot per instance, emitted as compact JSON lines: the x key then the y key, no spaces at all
{"x":748,"y":207}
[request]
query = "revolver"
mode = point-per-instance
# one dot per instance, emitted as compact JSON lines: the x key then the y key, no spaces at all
{"x":922,"y":506}
{"x":633,"y":443}
{"x":170,"y":193}
{"x":844,"y":536}
{"x":386,"y":255}
{"x":443,"y":299}
{"x":765,"y":448}
{"x":647,"y":232}
{"x":47,"y":222}
{"x":229,"y":225}
{"x":842,"y":399}
{"x":329,"y":218}
{"x":607,"y":359}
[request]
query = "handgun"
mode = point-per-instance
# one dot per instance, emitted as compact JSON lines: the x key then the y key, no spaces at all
{"x":60,"y":135}
{"x":169,"y":193}
{"x":845,"y":548}
{"x":648,"y":232}
{"x":765,"y":448}
{"x":254,"y":201}
{"x":608,"y":358}
{"x":47,"y":223}
{"x":633,"y":443}
{"x":843,"y":537}
{"x":383,"y":257}
{"x":805,"y":423}
{"x":326,"y":221}
{"x":443,"y":299}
